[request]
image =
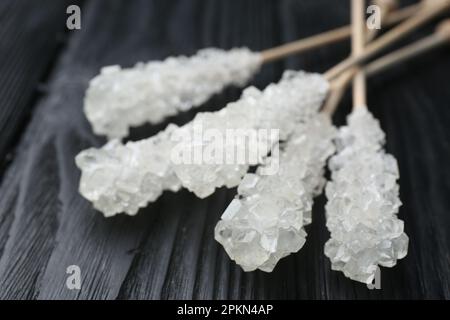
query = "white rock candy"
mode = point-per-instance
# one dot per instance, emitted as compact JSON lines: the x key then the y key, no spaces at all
{"x":363,"y":200}
{"x":122,"y":178}
{"x":296,"y":97}
{"x":149,"y":92}
{"x":265,"y":223}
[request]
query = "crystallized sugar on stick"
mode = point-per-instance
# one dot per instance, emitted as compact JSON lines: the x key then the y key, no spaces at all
{"x":150,"y":92}
{"x":123,"y":178}
{"x":265,"y":223}
{"x":282,"y":106}
{"x":363,"y":201}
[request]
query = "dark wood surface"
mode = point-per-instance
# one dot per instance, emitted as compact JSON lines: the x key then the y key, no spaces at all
{"x":167,"y":251}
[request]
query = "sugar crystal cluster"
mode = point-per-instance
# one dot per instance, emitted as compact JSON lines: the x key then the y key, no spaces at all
{"x":123,"y":178}
{"x":265,"y":223}
{"x":150,"y":92}
{"x":282,"y":106}
{"x":363,"y":201}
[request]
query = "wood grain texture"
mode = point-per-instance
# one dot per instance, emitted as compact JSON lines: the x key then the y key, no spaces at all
{"x":168,"y":251}
{"x":31,"y":33}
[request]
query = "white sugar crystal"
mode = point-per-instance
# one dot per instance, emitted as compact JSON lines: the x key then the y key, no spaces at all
{"x":363,"y":202}
{"x":297,"y":97}
{"x":123,"y":178}
{"x":266,"y":222}
{"x":121,"y":98}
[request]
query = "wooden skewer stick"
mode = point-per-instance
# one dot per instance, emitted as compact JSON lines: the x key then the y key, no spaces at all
{"x":440,"y":38}
{"x":358,"y":42}
{"x":337,"y":91}
{"x":339,"y":85}
{"x":430,"y":9}
{"x":330,"y":37}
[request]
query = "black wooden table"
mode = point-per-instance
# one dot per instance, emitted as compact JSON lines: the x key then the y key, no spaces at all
{"x":168,"y":251}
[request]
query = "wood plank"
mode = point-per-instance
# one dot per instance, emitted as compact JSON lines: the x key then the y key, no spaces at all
{"x":32,"y":33}
{"x":168,"y":251}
